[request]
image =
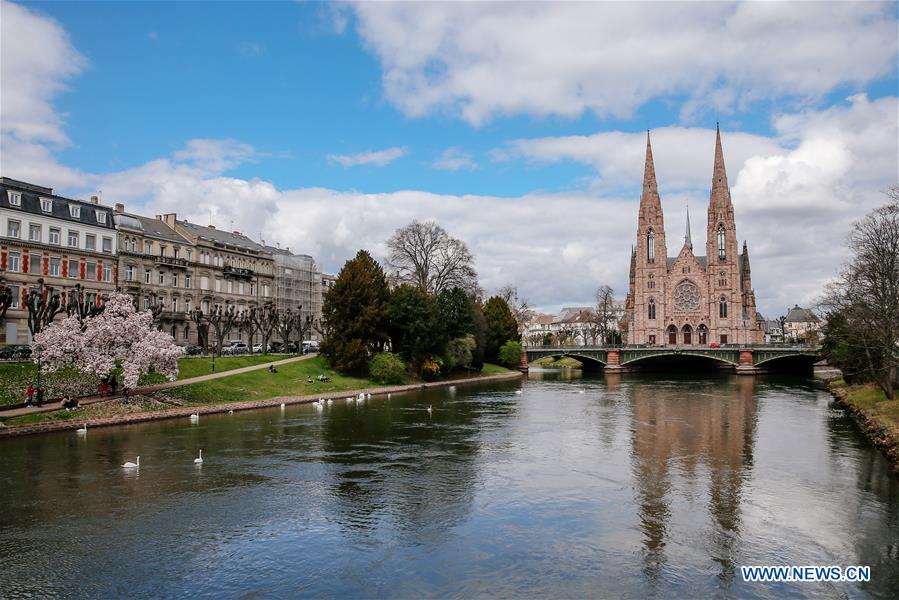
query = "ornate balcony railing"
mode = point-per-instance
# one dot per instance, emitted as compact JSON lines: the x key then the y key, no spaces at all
{"x":237,"y":272}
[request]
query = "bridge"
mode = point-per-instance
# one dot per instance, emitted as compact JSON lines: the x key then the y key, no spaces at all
{"x":747,"y":360}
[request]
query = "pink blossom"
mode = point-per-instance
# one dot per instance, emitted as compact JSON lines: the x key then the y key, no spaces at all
{"x":118,"y":335}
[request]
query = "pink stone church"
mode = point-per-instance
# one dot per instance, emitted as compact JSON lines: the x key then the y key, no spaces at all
{"x":690,"y":300}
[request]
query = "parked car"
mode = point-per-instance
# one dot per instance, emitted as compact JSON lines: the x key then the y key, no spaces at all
{"x":191,"y":350}
{"x":15,"y":352}
{"x":277,"y":346}
{"x":310,"y":346}
{"x":236,"y":348}
{"x":291,"y":347}
{"x":257,"y":349}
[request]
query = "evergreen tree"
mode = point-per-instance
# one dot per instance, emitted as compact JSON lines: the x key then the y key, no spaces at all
{"x":355,"y":309}
{"x":480,"y":335}
{"x":415,"y":328}
{"x":501,"y":327}
{"x":456,"y":310}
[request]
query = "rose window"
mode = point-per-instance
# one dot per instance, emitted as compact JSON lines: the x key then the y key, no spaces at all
{"x":686,"y":296}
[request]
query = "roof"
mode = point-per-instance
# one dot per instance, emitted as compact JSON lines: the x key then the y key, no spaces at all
{"x":152,"y":227}
{"x":798,"y":314}
{"x":222,"y":237}
{"x":31,"y":204}
{"x":703,"y":262}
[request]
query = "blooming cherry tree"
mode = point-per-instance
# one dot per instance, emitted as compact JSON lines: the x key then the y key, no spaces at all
{"x":118,"y":335}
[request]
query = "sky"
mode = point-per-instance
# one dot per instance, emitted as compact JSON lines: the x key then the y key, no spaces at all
{"x":519,"y":127}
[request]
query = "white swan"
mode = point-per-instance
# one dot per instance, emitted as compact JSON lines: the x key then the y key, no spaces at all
{"x":517,"y":392}
{"x":388,"y":395}
{"x":230,"y":412}
{"x":83,"y":430}
{"x":199,"y":461}
{"x":194,"y":418}
{"x":430,"y":410}
{"x":582,"y":391}
{"x":330,"y":401}
{"x":131,"y":465}
{"x":282,"y":406}
{"x":367,"y":396}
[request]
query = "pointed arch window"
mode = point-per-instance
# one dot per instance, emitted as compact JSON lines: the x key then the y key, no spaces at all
{"x":721,"y":251}
{"x":651,"y":309}
{"x":650,"y":246}
{"x":722,"y":307}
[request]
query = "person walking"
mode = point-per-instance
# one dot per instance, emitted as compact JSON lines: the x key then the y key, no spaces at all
{"x":29,"y":395}
{"x":40,"y":396}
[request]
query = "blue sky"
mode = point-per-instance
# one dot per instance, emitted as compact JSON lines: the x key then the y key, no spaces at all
{"x":273,"y":116}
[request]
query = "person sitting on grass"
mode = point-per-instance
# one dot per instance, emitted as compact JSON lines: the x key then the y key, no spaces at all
{"x":272,"y":369}
{"x":323,"y":377}
{"x":309,"y":379}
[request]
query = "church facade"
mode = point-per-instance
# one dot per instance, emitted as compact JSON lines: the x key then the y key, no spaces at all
{"x":687,"y":299}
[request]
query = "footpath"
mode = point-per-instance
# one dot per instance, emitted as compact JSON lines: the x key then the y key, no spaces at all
{"x":51,"y":406}
{"x":186,"y":411}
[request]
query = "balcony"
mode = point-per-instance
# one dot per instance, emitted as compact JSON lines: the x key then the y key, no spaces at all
{"x":237,"y":273}
{"x":168,"y":261}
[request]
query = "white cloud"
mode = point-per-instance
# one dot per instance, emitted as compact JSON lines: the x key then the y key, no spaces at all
{"x":455,"y":159}
{"x":479,"y":60}
{"x":378,"y":158}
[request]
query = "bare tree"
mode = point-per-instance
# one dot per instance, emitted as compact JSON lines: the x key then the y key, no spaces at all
{"x":81,"y":306}
{"x":265,"y":318}
{"x":6,"y":299}
{"x":222,"y":321}
{"x":199,"y":320}
{"x":603,"y":315}
{"x":247,"y":323}
{"x":43,"y":304}
{"x":287,"y":322}
{"x":867,"y":292}
{"x":519,"y":306}
{"x":424,"y":255}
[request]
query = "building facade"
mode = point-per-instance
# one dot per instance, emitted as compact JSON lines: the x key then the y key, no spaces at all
{"x":298,"y":285}
{"x":688,"y":299}
{"x":61,"y":240}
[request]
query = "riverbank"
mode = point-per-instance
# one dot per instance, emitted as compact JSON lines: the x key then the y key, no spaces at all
{"x":150,"y":408}
{"x":877,"y":416}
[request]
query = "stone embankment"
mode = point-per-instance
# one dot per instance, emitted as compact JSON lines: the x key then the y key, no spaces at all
{"x":882,"y":433}
{"x":49,"y":426}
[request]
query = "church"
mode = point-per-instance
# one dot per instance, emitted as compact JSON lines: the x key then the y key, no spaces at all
{"x":690,"y":300}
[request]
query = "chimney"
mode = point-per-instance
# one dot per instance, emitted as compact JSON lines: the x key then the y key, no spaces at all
{"x":170,"y":219}
{"x":235,"y":232}
{"x":159,"y":217}
{"x":95,"y":200}
{"x":212,"y":227}
{"x":119,"y":207}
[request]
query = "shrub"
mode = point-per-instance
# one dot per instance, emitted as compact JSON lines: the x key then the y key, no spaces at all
{"x":510,"y":354}
{"x":460,"y":352}
{"x":386,"y":367}
{"x":430,"y":369}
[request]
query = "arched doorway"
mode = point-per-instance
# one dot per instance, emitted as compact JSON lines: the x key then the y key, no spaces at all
{"x":688,"y":335}
{"x":672,"y":335}
{"x":703,"y":332}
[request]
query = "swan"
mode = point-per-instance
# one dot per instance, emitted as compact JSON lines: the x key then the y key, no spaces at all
{"x":368,"y":396}
{"x":582,"y":391}
{"x":388,"y":395}
{"x":330,"y":401}
{"x":230,"y":412}
{"x":131,"y":465}
{"x":430,"y":410}
{"x":195,"y":417}
{"x":348,"y":400}
{"x":199,"y":461}
{"x":83,"y":430}
{"x":282,"y":406}
{"x":517,"y":392}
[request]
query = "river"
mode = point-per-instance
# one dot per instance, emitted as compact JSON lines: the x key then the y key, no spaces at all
{"x":563,"y":486}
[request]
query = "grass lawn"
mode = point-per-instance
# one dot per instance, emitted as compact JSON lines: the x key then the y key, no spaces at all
{"x":871,"y":400}
{"x":490,"y":369}
{"x":548,"y":362}
{"x":202,"y":365}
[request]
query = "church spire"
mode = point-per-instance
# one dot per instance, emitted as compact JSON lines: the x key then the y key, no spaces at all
{"x":650,"y":187}
{"x":688,"y":240}
{"x":720,"y":196}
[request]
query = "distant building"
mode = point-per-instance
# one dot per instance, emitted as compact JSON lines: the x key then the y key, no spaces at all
{"x":801,"y":325}
{"x":61,"y":240}
{"x":298,"y":285}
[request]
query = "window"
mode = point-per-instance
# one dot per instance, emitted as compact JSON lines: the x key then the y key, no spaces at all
{"x":161,"y":250}
{"x":129,"y":273}
{"x":240,"y":288}
{"x":173,"y":332}
{"x":204,"y":283}
{"x":91,"y":271}
{"x":703,"y":335}
{"x":101,"y":217}
{"x":73,"y":268}
{"x":13,"y":262}
{"x":218,"y":284}
{"x":652,"y":340}
{"x":672,"y":335}
{"x":187,"y":330}
{"x":161,"y":278}
{"x":206,"y":307}
{"x":722,"y":307}
{"x":174,"y":280}
{"x":175,"y":252}
{"x":147,"y":275}
{"x":75,"y":211}
{"x":16,"y":296}
{"x":230,"y":287}
{"x":650,"y":246}
{"x":12,"y":228}
{"x":265,"y":291}
{"x":174,"y":305}
{"x":107,"y":244}
{"x":652,"y":308}
{"x":723,"y":339}
{"x":15,"y":198}
{"x":55,"y":264}
{"x":189,"y":254}
{"x":54,"y":236}
{"x":90,"y":241}
{"x":146,"y":303}
{"x":74,"y":239}
{"x":186,"y":306}
{"x":107,"y":272}
{"x":34,"y":232}
{"x":721,"y":252}
{"x":252,"y":289}
{"x":688,"y":335}
{"x":148,"y":247}
{"x":34,"y":264}
{"x":187,"y":281}
{"x":46,"y":205}
{"x":651,"y":284}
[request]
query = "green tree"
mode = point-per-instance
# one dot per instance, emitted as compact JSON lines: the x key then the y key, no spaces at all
{"x":415,"y":329}
{"x":460,"y":352}
{"x":456,"y":311}
{"x":510,"y":354}
{"x":501,"y":327}
{"x":480,"y":335}
{"x":356,"y":309}
{"x":386,"y":367}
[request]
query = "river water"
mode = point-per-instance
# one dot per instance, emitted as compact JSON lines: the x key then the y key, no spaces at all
{"x":635,"y":486}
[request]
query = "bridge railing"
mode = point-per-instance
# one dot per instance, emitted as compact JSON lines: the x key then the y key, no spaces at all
{"x":777,"y":346}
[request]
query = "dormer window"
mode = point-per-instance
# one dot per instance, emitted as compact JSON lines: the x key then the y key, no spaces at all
{"x":75,"y":211}
{"x":15,"y":198}
{"x":101,"y":217}
{"x":46,"y":205}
